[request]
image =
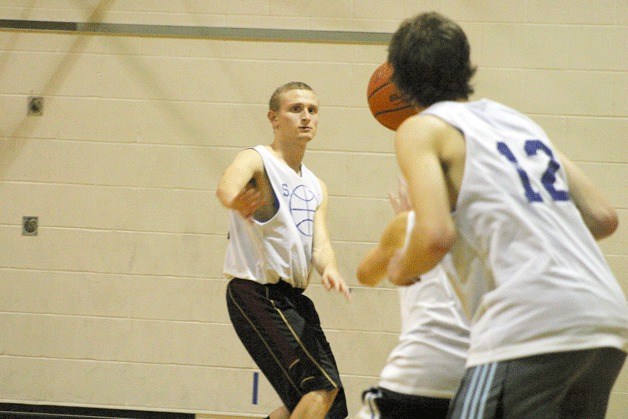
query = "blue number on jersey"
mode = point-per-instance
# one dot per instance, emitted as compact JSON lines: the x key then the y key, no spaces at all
{"x":547,"y":179}
{"x":531,"y":194}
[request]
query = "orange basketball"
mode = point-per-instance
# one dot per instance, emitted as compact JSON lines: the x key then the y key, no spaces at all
{"x":385,"y":101}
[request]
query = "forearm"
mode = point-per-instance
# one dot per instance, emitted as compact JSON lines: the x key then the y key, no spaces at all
{"x":426,"y":249}
{"x":410,"y":268}
{"x":225,"y":197}
{"x":324,"y":257}
{"x":324,"y":260}
{"x":372,"y":268}
{"x":374,"y":264}
{"x":236,"y":188}
{"x":597,"y":213}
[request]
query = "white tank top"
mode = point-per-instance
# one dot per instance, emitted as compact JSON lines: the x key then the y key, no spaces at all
{"x":280,"y":248}
{"x":430,"y":357}
{"x":529,"y":271}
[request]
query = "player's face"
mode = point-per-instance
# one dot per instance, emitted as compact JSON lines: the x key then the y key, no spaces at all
{"x":297,"y":117}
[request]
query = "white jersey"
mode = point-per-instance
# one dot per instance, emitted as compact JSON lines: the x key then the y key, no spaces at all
{"x":430,"y":357}
{"x":280,"y":248}
{"x":529,"y":271}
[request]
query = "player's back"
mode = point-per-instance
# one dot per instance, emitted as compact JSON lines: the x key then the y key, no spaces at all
{"x":531,"y":273}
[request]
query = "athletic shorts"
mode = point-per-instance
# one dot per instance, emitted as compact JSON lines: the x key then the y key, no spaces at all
{"x":381,"y":403}
{"x":281,"y":330}
{"x":573,"y":384}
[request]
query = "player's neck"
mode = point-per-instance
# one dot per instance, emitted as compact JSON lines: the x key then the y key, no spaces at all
{"x":292,"y":155}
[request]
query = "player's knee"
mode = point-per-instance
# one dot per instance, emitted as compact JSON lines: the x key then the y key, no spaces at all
{"x":324,"y":397}
{"x":333,"y":393}
{"x":329,"y":396}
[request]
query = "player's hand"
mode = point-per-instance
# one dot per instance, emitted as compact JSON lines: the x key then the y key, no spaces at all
{"x":401,"y":201}
{"x":247,"y":201}
{"x":332,"y":280}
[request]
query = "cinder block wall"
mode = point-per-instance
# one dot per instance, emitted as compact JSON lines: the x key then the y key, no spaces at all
{"x":119,"y":301}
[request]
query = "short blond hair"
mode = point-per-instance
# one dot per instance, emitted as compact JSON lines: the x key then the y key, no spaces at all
{"x":275,"y":99}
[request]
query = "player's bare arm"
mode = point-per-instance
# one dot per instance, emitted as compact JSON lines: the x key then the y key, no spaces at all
{"x":373,"y":266}
{"x":419,"y":144}
{"x":236,"y":189}
{"x":598,"y":214}
{"x":323,"y":256}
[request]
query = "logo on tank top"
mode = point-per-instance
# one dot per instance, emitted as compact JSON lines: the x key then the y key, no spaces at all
{"x":303,"y":204}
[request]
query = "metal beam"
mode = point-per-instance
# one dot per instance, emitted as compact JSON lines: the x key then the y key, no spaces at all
{"x":212,"y":32}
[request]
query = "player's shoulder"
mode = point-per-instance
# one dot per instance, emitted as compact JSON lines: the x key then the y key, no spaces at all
{"x":249,"y":156}
{"x":422,"y":121}
{"x":322,"y":185}
{"x":249,"y":152}
{"x":424,"y":127}
{"x":247,"y":162}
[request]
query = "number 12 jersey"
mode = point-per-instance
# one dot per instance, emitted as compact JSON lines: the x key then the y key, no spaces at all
{"x":530,"y":274}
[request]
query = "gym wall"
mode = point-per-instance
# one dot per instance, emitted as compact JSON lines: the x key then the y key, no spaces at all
{"x":118,"y":300}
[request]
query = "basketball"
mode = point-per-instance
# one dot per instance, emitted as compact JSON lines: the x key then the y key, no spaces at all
{"x":385,"y":101}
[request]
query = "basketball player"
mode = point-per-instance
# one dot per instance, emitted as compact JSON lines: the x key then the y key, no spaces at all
{"x":424,"y":370}
{"x":549,"y":321}
{"x":277,"y":233}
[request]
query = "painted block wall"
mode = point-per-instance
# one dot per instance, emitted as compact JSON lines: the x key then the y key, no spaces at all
{"x":119,"y":300}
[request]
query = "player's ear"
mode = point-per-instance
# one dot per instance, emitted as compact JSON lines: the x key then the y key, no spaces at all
{"x":272,"y":117}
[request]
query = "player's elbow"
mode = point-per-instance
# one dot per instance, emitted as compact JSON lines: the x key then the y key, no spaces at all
{"x":362,"y":275}
{"x":603,"y":222}
{"x":439,"y":240}
{"x":433,"y":243}
{"x":366,"y":277}
{"x":223,"y":197}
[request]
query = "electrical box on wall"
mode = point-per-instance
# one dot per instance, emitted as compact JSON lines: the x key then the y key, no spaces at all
{"x":30,"y":226}
{"x":35,"y":105}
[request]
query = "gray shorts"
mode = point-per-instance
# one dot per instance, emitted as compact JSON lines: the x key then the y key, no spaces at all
{"x":573,"y":384}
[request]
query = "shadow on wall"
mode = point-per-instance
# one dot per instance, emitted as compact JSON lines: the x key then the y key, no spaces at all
{"x":11,"y":144}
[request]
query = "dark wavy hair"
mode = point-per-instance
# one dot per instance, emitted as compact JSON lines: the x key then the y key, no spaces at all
{"x":275,"y":99}
{"x":430,"y":55}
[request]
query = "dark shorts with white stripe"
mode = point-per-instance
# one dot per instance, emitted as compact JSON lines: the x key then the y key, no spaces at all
{"x":574,"y":384}
{"x":387,"y":404}
{"x":281,"y":330}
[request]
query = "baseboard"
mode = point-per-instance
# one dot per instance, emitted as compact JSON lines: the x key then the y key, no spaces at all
{"x":31,"y":411}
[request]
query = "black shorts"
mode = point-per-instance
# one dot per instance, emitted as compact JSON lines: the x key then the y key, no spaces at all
{"x":382,"y":403}
{"x":281,"y":330}
{"x":573,"y":384}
